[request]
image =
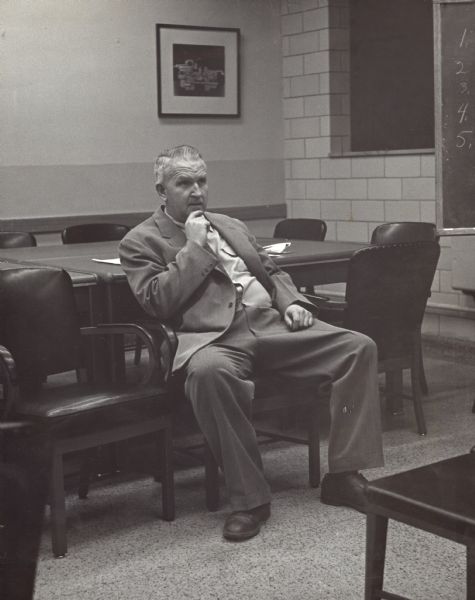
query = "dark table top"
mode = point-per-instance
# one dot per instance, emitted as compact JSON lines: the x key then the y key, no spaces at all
{"x":445,"y":489}
{"x":79,"y":257}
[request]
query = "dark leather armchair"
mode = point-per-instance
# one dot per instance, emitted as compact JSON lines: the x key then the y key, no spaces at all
{"x":272,"y":393}
{"x":17,"y":239}
{"x":404,"y":231}
{"x":93,"y":232}
{"x":400,"y":233}
{"x":301,"y":229}
{"x":41,"y":342}
{"x":386,"y":296}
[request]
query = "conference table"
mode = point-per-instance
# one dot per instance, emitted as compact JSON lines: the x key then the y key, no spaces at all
{"x":103,"y":294}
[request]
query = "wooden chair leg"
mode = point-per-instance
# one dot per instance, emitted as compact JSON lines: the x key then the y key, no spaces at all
{"x":394,"y":392}
{"x":313,"y":448}
{"x":416,"y":395}
{"x":85,"y":473}
{"x":422,"y":373}
{"x":211,"y":479}
{"x":58,"y":507}
{"x":166,"y":470}
{"x":376,"y":534}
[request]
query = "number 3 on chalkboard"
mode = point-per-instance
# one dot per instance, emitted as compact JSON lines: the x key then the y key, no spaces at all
{"x":462,"y":139}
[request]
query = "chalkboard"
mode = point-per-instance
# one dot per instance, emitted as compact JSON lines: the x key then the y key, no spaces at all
{"x":454,"y":26}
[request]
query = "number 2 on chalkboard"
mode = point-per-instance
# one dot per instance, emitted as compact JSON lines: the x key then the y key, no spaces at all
{"x":460,"y":70}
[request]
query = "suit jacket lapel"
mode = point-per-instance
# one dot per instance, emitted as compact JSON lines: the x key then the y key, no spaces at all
{"x":243,"y":248}
{"x":169,"y":230}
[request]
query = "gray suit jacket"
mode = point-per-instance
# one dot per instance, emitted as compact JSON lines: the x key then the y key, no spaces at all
{"x":182,"y":283}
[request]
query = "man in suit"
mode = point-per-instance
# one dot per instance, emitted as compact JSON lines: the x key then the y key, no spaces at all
{"x":235,"y":313}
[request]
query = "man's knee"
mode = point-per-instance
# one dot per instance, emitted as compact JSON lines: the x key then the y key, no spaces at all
{"x":362,"y":346}
{"x":204,"y":373}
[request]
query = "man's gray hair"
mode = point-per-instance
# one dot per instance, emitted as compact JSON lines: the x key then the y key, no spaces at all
{"x":164,"y":163}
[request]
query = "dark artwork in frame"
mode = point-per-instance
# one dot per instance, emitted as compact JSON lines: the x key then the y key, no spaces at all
{"x":198,"y":71}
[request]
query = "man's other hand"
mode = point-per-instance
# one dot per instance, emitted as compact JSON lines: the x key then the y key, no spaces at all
{"x":297,"y":317}
{"x":196,"y":227}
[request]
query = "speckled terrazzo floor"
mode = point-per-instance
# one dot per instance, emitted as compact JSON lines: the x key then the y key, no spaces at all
{"x":119,"y":549}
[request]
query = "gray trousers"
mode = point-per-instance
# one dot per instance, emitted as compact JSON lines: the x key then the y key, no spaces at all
{"x":220,"y":388}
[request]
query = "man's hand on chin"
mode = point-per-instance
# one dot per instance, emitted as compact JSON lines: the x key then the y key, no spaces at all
{"x":297,"y":317}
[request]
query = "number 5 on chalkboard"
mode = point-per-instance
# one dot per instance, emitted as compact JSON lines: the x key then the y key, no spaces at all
{"x":462,"y":139}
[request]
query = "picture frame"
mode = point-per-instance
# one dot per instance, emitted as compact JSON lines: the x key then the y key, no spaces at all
{"x":198,"y":71}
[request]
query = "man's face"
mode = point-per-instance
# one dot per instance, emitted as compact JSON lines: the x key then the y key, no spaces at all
{"x":185,"y":188}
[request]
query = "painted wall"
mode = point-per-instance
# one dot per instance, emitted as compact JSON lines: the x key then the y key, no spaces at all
{"x":79,"y":124}
{"x":352,"y":193}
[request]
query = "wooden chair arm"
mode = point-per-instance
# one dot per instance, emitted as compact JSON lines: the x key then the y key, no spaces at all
{"x":326,"y":303}
{"x":8,"y":377}
{"x":7,"y":366}
{"x":154,"y":365}
{"x":159,"y":338}
{"x":168,"y":344}
{"x":329,"y":310}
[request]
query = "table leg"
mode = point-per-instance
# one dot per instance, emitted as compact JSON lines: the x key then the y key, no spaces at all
{"x":376,"y":533}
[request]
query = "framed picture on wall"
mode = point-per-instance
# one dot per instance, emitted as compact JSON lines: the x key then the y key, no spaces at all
{"x":197,"y":71}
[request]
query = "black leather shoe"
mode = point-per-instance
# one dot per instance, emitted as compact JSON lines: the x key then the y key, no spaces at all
{"x":244,"y":524}
{"x":345,"y":489}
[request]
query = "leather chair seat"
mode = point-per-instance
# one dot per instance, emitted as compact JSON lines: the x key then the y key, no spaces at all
{"x":60,"y":402}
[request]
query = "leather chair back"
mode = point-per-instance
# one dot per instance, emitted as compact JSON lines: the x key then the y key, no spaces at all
{"x":93,"y":232}
{"x":39,"y":322}
{"x":387,"y":292}
{"x":17,"y":239}
{"x":406,"y":231}
{"x":301,"y":229}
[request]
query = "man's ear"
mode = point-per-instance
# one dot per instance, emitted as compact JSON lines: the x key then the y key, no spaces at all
{"x":161,"y":192}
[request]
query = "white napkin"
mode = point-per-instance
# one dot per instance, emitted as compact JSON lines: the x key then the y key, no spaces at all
{"x":277,"y":248}
{"x":110,"y":261}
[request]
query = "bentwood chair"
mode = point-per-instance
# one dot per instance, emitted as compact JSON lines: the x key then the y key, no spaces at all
{"x":402,"y":232}
{"x":41,"y":345}
{"x":93,"y":232}
{"x":386,"y":295}
{"x":438,"y":498}
{"x":301,"y":229}
{"x":17,"y":239}
{"x":272,"y":393}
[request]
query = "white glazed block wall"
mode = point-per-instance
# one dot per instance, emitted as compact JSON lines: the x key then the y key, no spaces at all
{"x":352,"y":194}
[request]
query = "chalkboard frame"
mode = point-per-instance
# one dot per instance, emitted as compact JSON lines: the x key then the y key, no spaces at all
{"x":438,"y":114}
